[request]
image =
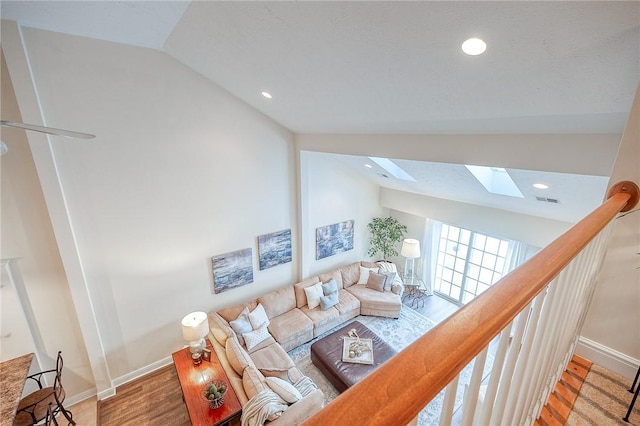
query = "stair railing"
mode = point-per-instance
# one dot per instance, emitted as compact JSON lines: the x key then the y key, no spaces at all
{"x":497,"y":359}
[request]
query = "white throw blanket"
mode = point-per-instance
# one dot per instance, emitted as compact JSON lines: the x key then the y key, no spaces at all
{"x":260,"y":407}
{"x":305,"y":386}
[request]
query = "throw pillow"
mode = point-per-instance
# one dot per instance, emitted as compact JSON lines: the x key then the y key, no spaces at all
{"x":364,"y":274}
{"x":313,"y":295}
{"x":237,"y":356}
{"x":388,"y":282}
{"x":253,"y":382}
{"x":329,"y":287}
{"x":285,"y":390}
{"x":275,"y":372}
{"x":258,"y":317}
{"x":328,"y":301}
{"x":253,"y":338}
{"x":376,"y":281}
{"x":241,"y":324}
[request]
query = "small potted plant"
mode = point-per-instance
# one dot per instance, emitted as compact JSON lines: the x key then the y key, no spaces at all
{"x":214,"y":392}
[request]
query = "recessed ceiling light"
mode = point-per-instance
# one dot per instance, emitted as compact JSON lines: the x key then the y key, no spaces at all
{"x":266,"y":95}
{"x":540,"y":186}
{"x":474,"y":46}
{"x":368,"y":166}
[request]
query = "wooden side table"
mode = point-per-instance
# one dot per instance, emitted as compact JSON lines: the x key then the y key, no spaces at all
{"x":192,"y":380}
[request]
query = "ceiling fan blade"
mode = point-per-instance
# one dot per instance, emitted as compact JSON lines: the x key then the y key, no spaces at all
{"x":49,"y":130}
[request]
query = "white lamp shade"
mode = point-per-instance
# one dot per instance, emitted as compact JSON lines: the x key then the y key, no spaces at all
{"x":410,"y":248}
{"x":195,"y":326}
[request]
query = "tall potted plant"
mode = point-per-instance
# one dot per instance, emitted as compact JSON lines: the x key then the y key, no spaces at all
{"x":386,"y":232}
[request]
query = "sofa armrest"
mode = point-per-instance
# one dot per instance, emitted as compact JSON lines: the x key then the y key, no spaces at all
{"x":301,"y":410}
{"x":397,"y":289}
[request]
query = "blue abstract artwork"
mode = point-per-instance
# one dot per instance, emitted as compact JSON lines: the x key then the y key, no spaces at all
{"x":232,"y":270}
{"x":334,"y":239}
{"x":274,"y":249}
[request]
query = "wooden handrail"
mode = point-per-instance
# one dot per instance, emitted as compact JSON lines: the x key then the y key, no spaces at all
{"x":399,"y":389}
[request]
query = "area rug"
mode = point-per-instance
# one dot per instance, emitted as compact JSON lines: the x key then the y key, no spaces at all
{"x":398,"y":333}
{"x":604,"y":400}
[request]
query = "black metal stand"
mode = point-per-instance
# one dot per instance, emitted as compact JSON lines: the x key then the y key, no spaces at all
{"x":635,"y":395}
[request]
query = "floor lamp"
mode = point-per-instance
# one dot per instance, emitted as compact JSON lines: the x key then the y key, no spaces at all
{"x":411,"y":251}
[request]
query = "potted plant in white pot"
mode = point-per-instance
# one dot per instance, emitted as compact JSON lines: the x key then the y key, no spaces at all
{"x":386,"y":233}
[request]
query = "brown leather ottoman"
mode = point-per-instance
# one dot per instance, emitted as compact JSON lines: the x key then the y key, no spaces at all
{"x":326,"y":354}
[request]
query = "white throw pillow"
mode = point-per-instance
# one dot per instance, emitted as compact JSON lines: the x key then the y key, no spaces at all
{"x":314,"y":293}
{"x":284,"y":389}
{"x":241,"y":325}
{"x":253,"y":338}
{"x":364,"y":274}
{"x":258,"y":317}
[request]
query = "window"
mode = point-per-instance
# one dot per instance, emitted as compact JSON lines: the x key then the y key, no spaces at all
{"x":468,"y":263}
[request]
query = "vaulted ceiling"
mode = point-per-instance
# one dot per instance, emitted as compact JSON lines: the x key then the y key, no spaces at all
{"x":397,"y":68}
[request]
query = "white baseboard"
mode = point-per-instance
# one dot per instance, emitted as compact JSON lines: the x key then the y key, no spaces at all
{"x":80,"y":397}
{"x":608,"y":358}
{"x":107,"y":393}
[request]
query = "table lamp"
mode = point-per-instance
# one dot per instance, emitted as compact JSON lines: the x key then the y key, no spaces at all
{"x":195,"y":327}
{"x":411,"y":251}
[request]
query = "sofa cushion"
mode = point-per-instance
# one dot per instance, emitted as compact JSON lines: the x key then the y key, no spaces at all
{"x":347,"y":302}
{"x":369,"y":264}
{"x":335,"y":275}
{"x":320,"y":317}
{"x":313,"y":293}
{"x":253,"y":382}
{"x":375,"y":300}
{"x":290,"y":326}
{"x":272,"y":357}
{"x":364,"y":274}
{"x":241,"y":325}
{"x":301,"y":297}
{"x":350,"y":274}
{"x":285,"y":390}
{"x":376,"y":281}
{"x":219,"y":328}
{"x":278,"y":302}
{"x":255,"y":337}
{"x":232,"y":312}
{"x":258,"y":317}
{"x":237,"y":356}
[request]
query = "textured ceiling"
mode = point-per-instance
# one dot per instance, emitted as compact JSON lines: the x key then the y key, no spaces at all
{"x":396,"y":68}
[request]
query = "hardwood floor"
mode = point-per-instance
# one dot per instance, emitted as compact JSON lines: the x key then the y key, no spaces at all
{"x":155,"y":399}
{"x":85,"y":412}
{"x":433,"y":307}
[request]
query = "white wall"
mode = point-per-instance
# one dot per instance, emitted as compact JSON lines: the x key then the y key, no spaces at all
{"x":532,"y":230}
{"x":180,"y":171}
{"x":332,"y":193}
{"x":27,"y":237}
{"x":611,"y":326}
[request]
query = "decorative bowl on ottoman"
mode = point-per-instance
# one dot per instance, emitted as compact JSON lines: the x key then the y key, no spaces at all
{"x":214,"y":392}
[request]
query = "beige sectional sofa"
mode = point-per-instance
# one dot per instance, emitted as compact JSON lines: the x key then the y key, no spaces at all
{"x":291,"y":323}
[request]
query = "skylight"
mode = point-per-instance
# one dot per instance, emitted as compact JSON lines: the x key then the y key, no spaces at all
{"x":495,"y":180}
{"x":392,"y":168}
